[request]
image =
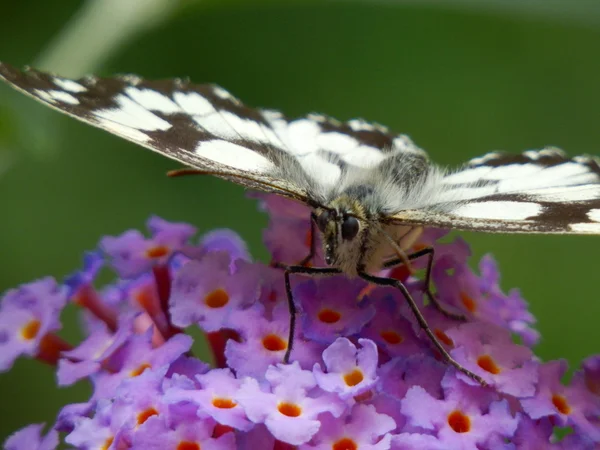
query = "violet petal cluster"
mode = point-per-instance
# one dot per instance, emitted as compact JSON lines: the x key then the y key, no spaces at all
{"x":362,"y":374}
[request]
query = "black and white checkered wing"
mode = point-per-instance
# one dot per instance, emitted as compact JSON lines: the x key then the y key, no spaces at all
{"x":535,"y":192}
{"x":206,"y":128}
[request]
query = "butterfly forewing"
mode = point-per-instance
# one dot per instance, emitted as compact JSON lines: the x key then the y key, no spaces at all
{"x":316,"y":157}
{"x":205,"y":127}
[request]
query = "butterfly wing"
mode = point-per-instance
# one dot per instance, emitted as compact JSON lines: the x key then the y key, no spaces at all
{"x":535,"y":192}
{"x":201,"y":126}
{"x":206,"y":128}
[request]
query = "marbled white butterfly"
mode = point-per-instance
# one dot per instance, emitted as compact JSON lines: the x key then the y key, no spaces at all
{"x":371,"y":191}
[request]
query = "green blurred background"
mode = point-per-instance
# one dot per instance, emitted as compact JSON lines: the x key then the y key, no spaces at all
{"x":461,"y":80}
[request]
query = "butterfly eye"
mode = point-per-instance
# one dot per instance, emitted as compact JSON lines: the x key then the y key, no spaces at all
{"x":350,"y":228}
{"x":323,"y":220}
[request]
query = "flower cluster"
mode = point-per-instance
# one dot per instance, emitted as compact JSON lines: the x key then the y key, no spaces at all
{"x":362,"y":374}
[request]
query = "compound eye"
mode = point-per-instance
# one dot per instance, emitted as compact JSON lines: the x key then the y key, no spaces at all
{"x":350,"y":228}
{"x":323,"y":219}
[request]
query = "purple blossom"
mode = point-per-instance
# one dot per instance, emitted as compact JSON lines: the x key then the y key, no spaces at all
{"x":330,"y":312}
{"x":566,"y":405}
{"x":285,"y":407}
{"x":264,"y":342}
{"x":482,"y":298}
{"x":30,"y":438}
{"x":214,"y":394}
{"x":363,"y":428}
{"x":489,"y":352}
{"x":393,"y":334}
{"x":466,"y":418}
{"x":206,"y":292}
{"x":362,"y":375}
{"x":350,"y":371}
{"x":156,"y":434}
{"x":132,"y":254}
{"x":28,"y":316}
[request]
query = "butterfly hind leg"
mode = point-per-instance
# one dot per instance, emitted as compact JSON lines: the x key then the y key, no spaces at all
{"x":429,"y":252}
{"x":382,"y":281}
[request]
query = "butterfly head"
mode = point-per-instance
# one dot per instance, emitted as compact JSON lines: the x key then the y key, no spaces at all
{"x":343,"y":224}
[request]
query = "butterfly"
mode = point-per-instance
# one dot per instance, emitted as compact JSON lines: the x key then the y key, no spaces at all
{"x":371,"y":191}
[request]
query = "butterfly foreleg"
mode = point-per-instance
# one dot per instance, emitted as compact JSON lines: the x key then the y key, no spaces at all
{"x":382,"y":281}
{"x":312,"y":271}
{"x":429,"y":252}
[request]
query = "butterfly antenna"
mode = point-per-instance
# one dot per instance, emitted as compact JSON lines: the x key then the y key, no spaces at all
{"x":402,"y":256}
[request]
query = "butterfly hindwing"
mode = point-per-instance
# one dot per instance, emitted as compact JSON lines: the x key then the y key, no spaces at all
{"x":535,"y":192}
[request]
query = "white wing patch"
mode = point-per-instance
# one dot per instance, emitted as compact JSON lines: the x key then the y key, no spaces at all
{"x":498,"y":210}
{"x":152,"y":100}
{"x":233,"y":155}
{"x":193,"y":103}
{"x":69,"y":85}
{"x":131,"y":114}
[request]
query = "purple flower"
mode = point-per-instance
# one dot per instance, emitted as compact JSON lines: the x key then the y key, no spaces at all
{"x":227,"y":241}
{"x":136,"y":356}
{"x":466,"y":418}
{"x":157,"y":434}
{"x":205,"y":292}
{"x":132,"y":254}
{"x":482,"y":298}
{"x":28,"y":317}
{"x":489,"y":352}
{"x":264,"y":342}
{"x":30,"y":438}
{"x":290,"y":406}
{"x":350,"y":371}
{"x":393,"y":334}
{"x":362,"y":428}
{"x":565,"y":405}
{"x":363,"y":375}
{"x":214,"y":394}
{"x":87,"y":358}
{"x":330,"y":312}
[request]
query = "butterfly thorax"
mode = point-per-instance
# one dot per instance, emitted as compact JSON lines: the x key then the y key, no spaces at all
{"x":355,"y":239}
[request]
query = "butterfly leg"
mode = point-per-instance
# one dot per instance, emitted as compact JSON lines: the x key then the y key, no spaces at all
{"x":313,"y":271}
{"x":429,"y":252}
{"x":382,"y":281}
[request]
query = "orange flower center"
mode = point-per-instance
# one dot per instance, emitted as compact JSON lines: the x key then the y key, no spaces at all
{"x":157,"y":252}
{"x":459,"y":422}
{"x":217,"y":298}
{"x":223,"y":403}
{"x":31,"y":329}
{"x":107,"y":443}
{"x":443,"y":337}
{"x":146,"y":414}
{"x":289,"y":409}
{"x":274,"y":343}
{"x":353,"y":378}
{"x":187,"y":445}
{"x":139,"y":370}
{"x":488,"y":364}
{"x":344,"y":444}
{"x":468,"y":302}
{"x":561,"y":404}
{"x":391,"y":337}
{"x":329,"y":316}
